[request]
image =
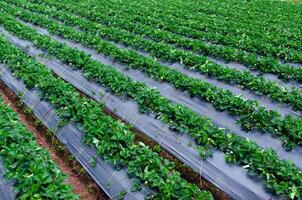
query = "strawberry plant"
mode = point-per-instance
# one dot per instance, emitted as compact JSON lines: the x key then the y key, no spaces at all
{"x":35,"y":175}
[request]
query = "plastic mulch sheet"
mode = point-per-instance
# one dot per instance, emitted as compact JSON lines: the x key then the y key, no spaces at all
{"x":6,"y":187}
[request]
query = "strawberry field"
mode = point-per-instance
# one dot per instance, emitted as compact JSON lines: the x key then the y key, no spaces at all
{"x":151,"y":99}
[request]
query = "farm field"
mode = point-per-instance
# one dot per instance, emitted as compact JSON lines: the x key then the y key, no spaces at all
{"x":151,"y":99}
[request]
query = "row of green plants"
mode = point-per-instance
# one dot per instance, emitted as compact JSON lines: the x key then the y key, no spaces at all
{"x":265,"y":64}
{"x":260,"y":13}
{"x":113,"y":139}
{"x":204,"y":22}
{"x":216,"y":10}
{"x":259,"y":85}
{"x":236,"y":53}
{"x":243,"y":42}
{"x":271,"y":26}
{"x":280,"y":176}
{"x":252,"y":115}
{"x":113,"y":31}
{"x":34,"y":174}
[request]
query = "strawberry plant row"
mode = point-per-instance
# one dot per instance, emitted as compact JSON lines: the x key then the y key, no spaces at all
{"x":191,"y":61}
{"x":259,"y":13}
{"x":196,"y":11}
{"x":35,"y":175}
{"x":113,"y":140}
{"x":191,"y":16}
{"x":264,"y":64}
{"x":246,"y":44}
{"x":252,"y":116}
{"x":201,"y":22}
{"x":164,"y":51}
{"x":238,"y":150}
